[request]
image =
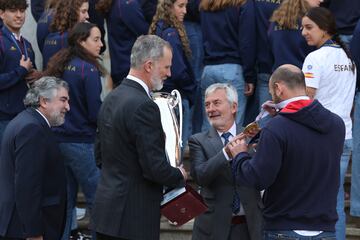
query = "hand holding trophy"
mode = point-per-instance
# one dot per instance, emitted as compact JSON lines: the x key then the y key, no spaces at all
{"x":183,"y":171}
{"x":181,"y":204}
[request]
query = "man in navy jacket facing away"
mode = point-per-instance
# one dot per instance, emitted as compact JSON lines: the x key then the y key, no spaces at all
{"x":16,"y":58}
{"x":32,"y":173}
{"x":297,"y":162}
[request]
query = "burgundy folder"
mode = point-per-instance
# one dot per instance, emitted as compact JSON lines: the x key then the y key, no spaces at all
{"x":180,"y":205}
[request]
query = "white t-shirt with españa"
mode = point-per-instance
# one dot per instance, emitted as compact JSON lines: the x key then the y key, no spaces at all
{"x":328,"y":69}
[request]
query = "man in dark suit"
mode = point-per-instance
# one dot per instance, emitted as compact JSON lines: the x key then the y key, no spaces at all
{"x":131,"y":149}
{"x":234,"y":211}
{"x":32,"y":175}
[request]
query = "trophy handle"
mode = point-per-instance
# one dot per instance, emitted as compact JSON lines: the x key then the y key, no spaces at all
{"x":178,"y":101}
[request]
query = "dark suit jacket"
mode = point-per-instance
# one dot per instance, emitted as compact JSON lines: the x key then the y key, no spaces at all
{"x":32,"y":180}
{"x":133,"y":165}
{"x":212,"y":172}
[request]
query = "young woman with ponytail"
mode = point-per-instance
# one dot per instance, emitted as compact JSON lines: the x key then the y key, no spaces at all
{"x":330,"y":78}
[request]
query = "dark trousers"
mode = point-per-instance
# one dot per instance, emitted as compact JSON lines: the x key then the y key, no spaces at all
{"x":239,"y":231}
{"x":100,"y":236}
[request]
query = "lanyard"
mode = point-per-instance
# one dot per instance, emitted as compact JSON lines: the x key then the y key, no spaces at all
{"x":11,"y":36}
{"x":18,"y":47}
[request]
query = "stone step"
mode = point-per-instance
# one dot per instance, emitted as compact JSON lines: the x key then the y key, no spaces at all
{"x":170,"y":232}
{"x":352,"y":233}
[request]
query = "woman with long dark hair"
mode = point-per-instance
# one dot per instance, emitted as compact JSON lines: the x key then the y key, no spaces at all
{"x":78,"y":65}
{"x":330,"y":77}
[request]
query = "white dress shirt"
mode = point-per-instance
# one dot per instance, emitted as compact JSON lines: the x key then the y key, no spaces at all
{"x":141,"y":82}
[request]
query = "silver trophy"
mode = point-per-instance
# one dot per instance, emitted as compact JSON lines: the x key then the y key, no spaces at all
{"x":170,"y":104}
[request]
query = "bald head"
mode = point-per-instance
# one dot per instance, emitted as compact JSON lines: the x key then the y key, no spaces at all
{"x":290,"y":67}
{"x":286,"y":82}
{"x":290,"y":75}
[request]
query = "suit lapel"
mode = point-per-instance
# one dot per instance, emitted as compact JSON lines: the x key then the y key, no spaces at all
{"x":215,"y":140}
{"x":239,"y":128}
{"x":38,"y":117}
{"x":217,"y":145}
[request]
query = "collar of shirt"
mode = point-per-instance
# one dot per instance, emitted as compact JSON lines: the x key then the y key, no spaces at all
{"x":43,"y":117}
{"x":141,"y":82}
{"x":282,"y":104}
{"x":263,"y":113}
{"x":232,"y":130}
{"x":16,"y":36}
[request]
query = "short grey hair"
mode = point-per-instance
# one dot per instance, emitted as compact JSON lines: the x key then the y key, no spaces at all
{"x":147,"y":47}
{"x":231,"y":93}
{"x":45,"y":87}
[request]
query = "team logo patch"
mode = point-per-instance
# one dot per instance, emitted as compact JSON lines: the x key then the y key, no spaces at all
{"x":309,"y":67}
{"x":309,"y":75}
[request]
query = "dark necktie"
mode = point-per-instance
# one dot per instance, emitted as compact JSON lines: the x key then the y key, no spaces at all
{"x":226,"y":136}
{"x":21,"y":45}
{"x":236,"y":199}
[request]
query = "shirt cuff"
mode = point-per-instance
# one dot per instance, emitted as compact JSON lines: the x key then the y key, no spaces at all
{"x":226,"y":156}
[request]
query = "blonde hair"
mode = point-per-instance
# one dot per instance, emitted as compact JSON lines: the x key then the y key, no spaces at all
{"x":66,"y":15}
{"x":164,"y":12}
{"x":289,"y":13}
{"x":215,"y":5}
